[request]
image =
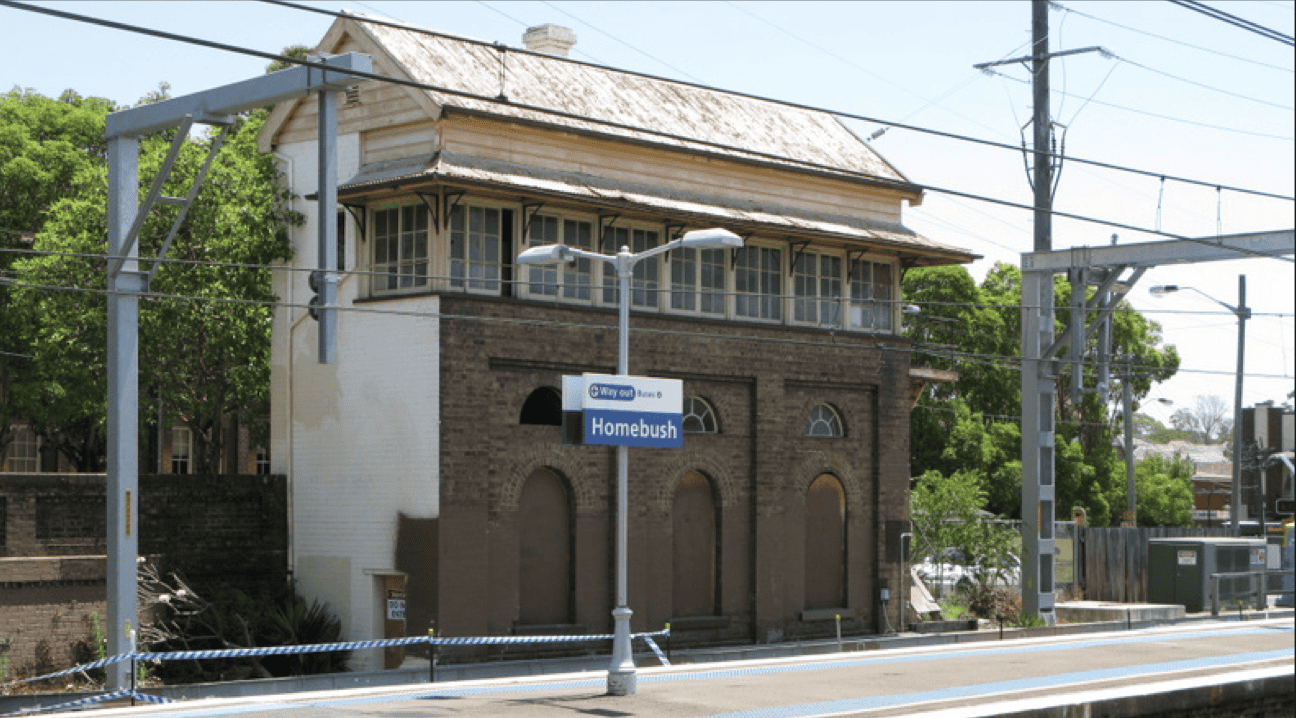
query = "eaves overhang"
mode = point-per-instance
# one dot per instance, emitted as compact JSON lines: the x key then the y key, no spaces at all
{"x":443,"y":168}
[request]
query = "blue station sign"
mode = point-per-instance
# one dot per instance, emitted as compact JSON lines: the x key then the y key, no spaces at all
{"x":623,"y":411}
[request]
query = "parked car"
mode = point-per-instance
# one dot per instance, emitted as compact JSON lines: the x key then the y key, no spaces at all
{"x":954,"y":571}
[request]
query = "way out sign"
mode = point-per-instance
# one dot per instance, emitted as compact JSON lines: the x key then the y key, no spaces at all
{"x":623,"y":411}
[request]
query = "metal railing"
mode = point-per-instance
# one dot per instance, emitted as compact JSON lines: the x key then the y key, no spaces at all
{"x":1259,"y":589}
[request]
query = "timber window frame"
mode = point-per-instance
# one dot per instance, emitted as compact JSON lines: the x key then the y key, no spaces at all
{"x":475,"y":239}
{"x":758,"y":271}
{"x":817,"y":282}
{"x":400,"y":237}
{"x":573,"y":281}
{"x":874,"y":300}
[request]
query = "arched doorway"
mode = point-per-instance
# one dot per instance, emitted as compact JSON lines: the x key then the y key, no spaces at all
{"x":825,"y":543}
{"x":694,"y":547}
{"x":544,"y":551}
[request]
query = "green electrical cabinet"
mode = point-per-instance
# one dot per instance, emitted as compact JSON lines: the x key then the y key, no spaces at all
{"x":1179,"y":570}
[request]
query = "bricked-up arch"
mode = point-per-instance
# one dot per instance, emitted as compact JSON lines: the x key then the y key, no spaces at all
{"x":544,"y":551}
{"x":693,"y":536}
{"x":543,"y":406}
{"x":825,"y":543}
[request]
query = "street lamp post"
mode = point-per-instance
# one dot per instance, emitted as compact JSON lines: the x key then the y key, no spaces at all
{"x":621,"y":673}
{"x":1243,"y":313}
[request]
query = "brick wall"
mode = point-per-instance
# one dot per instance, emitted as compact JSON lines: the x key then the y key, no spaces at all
{"x":762,"y":382}
{"x":227,"y":530}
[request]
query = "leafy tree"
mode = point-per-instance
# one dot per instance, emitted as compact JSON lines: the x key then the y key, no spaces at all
{"x":945,"y":516}
{"x":296,"y":52}
{"x":972,"y":424}
{"x":205,"y":356}
{"x":1163,"y":489}
{"x":46,"y":147}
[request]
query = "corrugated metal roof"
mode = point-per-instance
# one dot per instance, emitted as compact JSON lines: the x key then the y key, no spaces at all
{"x":587,"y":91}
{"x":445,"y":166}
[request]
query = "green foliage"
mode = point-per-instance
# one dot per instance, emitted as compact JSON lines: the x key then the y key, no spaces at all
{"x":207,"y":357}
{"x":972,"y":424}
{"x":46,"y":147}
{"x":297,"y":52}
{"x":945,"y":516}
{"x":1163,"y":489}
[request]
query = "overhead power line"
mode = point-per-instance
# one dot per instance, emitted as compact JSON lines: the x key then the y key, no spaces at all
{"x":1236,"y":21}
{"x":1064,"y":8}
{"x":881,"y":343}
{"x":705,"y":143}
{"x":661,"y":290}
{"x":1158,"y":116}
{"x":784,"y":103}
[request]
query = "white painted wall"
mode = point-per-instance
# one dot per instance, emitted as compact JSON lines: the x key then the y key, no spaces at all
{"x":358,"y":439}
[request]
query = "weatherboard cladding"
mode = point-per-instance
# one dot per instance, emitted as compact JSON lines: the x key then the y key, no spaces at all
{"x":698,"y":118}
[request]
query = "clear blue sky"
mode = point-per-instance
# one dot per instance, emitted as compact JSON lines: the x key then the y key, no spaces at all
{"x":1183,"y":94}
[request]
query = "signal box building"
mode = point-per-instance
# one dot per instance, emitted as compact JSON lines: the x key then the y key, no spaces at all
{"x":427,"y":462}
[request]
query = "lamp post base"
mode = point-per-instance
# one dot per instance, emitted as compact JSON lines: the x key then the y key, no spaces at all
{"x":621,"y":679}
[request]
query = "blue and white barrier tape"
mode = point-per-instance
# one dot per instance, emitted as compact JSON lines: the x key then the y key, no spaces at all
{"x":279,"y":650}
{"x":653,"y":645}
{"x":107,"y":697}
{"x":78,"y":669}
{"x":348,"y":646}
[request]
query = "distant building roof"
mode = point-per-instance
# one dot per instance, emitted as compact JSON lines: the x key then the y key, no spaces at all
{"x":1199,"y":454}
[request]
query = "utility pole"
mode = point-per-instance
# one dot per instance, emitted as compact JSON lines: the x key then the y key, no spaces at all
{"x":1039,"y":368}
{"x":1039,"y":376}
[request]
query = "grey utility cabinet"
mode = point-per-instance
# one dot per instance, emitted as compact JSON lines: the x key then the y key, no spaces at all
{"x":1179,"y":570}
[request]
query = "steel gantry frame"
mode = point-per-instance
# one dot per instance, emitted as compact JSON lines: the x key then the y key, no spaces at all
{"x":1103,"y":268}
{"x":126,"y":282}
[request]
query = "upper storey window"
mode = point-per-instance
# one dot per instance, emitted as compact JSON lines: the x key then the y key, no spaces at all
{"x":699,"y":279}
{"x":758,"y":283}
{"x":475,"y":242}
{"x":572,"y":280}
{"x":400,"y":247}
{"x":817,"y":289}
{"x":873,"y":297}
{"x":645,"y":277}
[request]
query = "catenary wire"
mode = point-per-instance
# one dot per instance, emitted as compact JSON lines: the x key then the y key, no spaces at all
{"x":785,"y":103}
{"x":879,"y":343}
{"x":623,"y":42}
{"x":165,"y":35}
{"x":1235,"y":21}
{"x":1156,"y":115}
{"x":593,"y":287}
{"x":777,"y":158}
{"x":1204,"y":86}
{"x":1064,"y":8}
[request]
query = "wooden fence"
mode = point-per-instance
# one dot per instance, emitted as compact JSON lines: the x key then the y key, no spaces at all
{"x":1114,"y":561}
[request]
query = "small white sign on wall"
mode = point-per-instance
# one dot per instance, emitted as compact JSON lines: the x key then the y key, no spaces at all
{"x":395,"y":609}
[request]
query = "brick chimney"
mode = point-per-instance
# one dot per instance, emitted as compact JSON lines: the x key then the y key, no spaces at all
{"x":553,"y":40}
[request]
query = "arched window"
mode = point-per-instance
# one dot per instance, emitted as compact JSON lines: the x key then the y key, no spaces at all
{"x":694,"y":547}
{"x":543,"y":406}
{"x":825,"y":543}
{"x":544,"y":551}
{"x":699,"y":417}
{"x":823,"y":421}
